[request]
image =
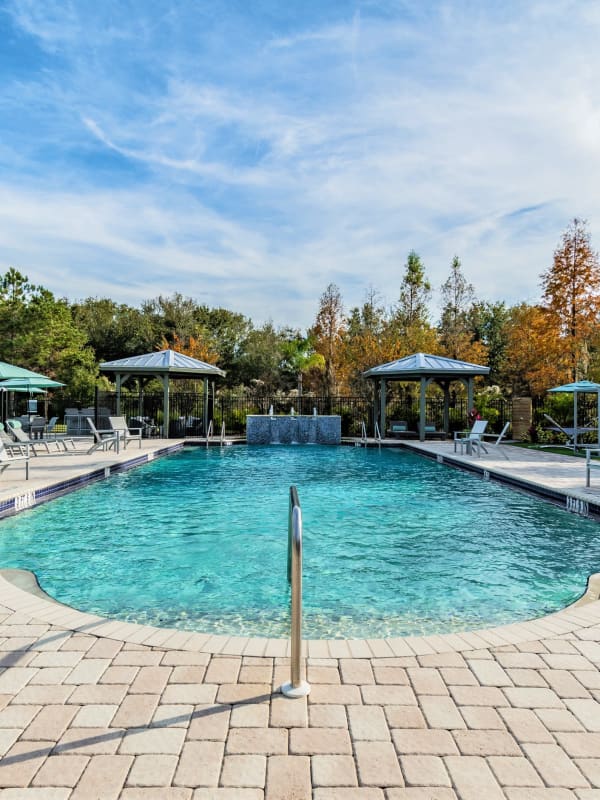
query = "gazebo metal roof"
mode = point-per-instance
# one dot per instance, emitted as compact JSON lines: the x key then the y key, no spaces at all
{"x":162,"y":362}
{"x":164,"y":365}
{"x":421,"y":365}
{"x":425,"y":368}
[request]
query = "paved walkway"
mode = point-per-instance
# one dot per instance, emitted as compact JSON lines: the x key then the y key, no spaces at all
{"x":497,"y":714}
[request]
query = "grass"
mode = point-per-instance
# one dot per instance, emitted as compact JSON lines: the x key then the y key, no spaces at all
{"x":560,"y":450}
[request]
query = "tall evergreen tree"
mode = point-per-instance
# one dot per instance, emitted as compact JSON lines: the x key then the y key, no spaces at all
{"x":456,"y":335}
{"x":410,"y":324}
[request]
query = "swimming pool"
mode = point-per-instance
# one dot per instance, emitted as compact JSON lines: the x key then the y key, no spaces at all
{"x":393,"y":544}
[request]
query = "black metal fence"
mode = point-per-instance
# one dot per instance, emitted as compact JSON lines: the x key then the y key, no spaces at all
{"x":187,"y":410}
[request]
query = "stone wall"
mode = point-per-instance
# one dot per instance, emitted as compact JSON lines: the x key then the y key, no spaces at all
{"x":263,"y":429}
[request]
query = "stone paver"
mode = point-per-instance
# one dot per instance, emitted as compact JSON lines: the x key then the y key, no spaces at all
{"x":505,"y":714}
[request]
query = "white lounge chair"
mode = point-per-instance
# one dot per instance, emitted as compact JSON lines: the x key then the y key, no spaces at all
{"x":125,"y":433}
{"x":19,"y":435}
{"x":103,"y":439}
{"x":7,"y":460}
{"x":494,"y":445}
{"x":466,"y":438}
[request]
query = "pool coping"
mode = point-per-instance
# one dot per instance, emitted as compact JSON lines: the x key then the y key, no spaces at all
{"x":584,"y":613}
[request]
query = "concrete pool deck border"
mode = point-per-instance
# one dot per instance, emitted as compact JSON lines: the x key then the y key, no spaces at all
{"x":554,"y":477}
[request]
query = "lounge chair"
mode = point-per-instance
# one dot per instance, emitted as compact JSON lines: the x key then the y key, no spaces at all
{"x":103,"y":439}
{"x":466,"y":438}
{"x":431,"y":432}
{"x":399,"y":430}
{"x":12,"y":448}
{"x":125,"y":433}
{"x":481,"y":444}
{"x":7,"y":460}
{"x":61,"y":438}
{"x":19,"y":435}
{"x":568,"y":432}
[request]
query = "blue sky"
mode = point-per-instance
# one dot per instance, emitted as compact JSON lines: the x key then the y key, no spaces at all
{"x":248,"y":154}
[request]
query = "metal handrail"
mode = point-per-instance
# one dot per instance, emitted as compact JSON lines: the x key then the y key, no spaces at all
{"x":222,"y":440}
{"x":363,"y":432}
{"x":377,"y":433}
{"x":209,"y":432}
{"x":296,"y":686}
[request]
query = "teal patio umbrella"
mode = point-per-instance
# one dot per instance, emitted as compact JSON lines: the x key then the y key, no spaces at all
{"x":23,"y":380}
{"x":577,"y":388}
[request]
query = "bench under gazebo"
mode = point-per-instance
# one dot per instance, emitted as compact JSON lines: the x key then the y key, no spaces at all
{"x":424,"y":369}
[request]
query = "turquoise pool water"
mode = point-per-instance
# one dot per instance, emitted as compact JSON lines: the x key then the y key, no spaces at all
{"x":393,"y":544}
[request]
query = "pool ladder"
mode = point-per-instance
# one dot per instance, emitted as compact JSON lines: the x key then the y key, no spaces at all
{"x":364,"y":439}
{"x":210,"y":433}
{"x":296,"y":686}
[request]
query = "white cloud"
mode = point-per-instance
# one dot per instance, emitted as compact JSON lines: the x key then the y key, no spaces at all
{"x":322,"y":152}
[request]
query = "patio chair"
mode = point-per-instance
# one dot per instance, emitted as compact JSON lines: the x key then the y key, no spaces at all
{"x":481,"y":444}
{"x":103,"y":439}
{"x":61,"y":438}
{"x":399,"y":430}
{"x":466,"y":438}
{"x":125,"y":433}
{"x":568,"y":432}
{"x":7,"y":460}
{"x":19,"y":435}
{"x":37,"y":426}
{"x":12,"y":448}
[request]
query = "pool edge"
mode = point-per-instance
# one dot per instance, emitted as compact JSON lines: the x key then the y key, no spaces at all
{"x":583,"y":613}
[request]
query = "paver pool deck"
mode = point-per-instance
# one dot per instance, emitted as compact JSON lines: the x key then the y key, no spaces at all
{"x":94,"y":709}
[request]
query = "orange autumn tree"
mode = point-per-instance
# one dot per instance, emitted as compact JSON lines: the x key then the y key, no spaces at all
{"x":201,"y":348}
{"x":572,"y":298}
{"x":534,"y":361}
{"x":367,"y":341}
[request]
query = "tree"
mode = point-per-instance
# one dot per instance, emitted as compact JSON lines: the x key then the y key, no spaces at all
{"x":37,"y":332}
{"x":327,"y":332}
{"x":410,"y":324}
{"x":533,"y":358}
{"x":572,"y":295}
{"x":367,"y":340}
{"x":456,"y":336}
{"x":488,"y":323}
{"x":114,"y":330}
{"x":299,"y":359}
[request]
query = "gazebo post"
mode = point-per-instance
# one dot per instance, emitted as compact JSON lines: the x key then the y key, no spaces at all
{"x":446,"y":387}
{"x":119,"y":382}
{"x":469,"y":394}
{"x":382,"y":404}
{"x":422,"y":410}
{"x":165,"y":382}
{"x":375,"y":404}
{"x":205,"y":410}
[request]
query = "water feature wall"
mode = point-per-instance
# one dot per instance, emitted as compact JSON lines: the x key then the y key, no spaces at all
{"x":265,"y":429}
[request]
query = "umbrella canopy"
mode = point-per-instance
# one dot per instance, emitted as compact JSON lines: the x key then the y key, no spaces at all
{"x":11,"y":371}
{"x":577,"y":388}
{"x":27,"y":389}
{"x":14,"y":384}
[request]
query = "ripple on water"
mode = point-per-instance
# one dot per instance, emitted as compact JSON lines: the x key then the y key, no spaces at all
{"x":394,"y":544}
